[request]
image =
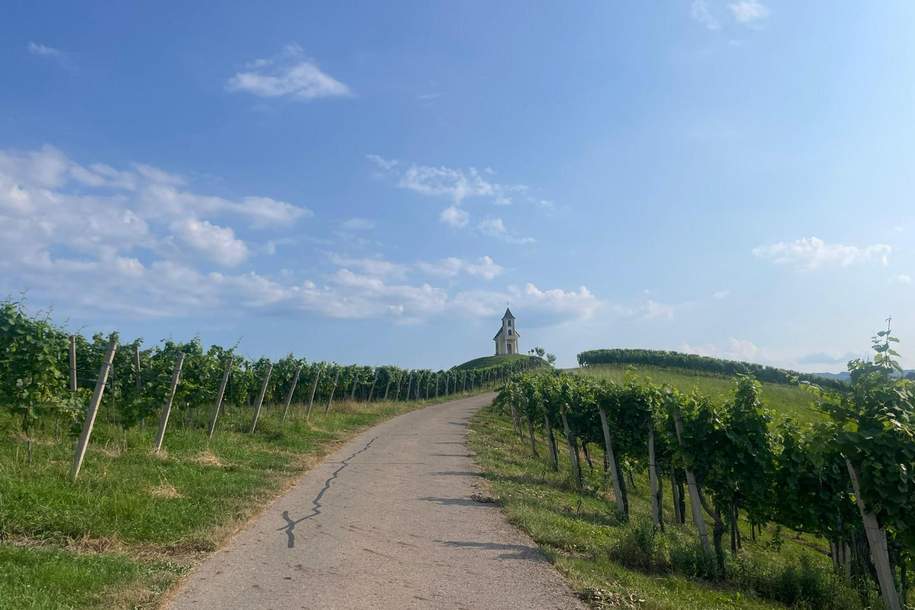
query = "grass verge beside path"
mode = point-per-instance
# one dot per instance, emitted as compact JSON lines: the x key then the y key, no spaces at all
{"x":612,"y":564}
{"x":135,"y":522}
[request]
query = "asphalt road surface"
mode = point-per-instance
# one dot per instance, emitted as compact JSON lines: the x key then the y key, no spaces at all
{"x":387,"y":521}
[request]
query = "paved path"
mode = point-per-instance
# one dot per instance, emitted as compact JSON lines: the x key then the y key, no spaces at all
{"x":387,"y":521}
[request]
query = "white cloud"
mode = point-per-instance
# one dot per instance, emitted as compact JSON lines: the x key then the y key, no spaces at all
{"x":495,"y":227}
{"x":700,"y":12}
{"x":902,"y":278}
{"x":655,"y":310}
{"x":218,"y":244}
{"x":455,"y":184}
{"x":59,"y":217}
{"x":579,"y":303}
{"x":357,"y":224}
{"x":721,"y":294}
{"x":810,"y":253}
{"x":48,"y":52}
{"x":485,"y":267}
{"x":371,"y":266}
{"x":748,"y":11}
{"x":454,"y":216}
{"x":290,"y":74}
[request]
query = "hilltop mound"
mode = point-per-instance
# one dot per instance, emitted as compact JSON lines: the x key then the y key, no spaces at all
{"x":486,"y":362}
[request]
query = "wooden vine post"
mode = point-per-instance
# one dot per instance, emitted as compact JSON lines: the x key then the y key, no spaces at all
{"x":387,"y":387}
{"x":876,"y":541}
{"x":92,"y":409}
{"x":695,"y":503}
{"x":333,"y":389}
{"x":573,"y":453}
{"x":219,"y":398}
{"x":372,"y":389}
{"x":611,"y":463}
{"x":655,"y":488}
{"x":409,"y":384}
{"x":314,"y":388}
{"x":167,"y":407}
{"x":136,"y":362}
{"x":260,"y":398}
{"x":72,"y":363}
{"x":295,"y":382}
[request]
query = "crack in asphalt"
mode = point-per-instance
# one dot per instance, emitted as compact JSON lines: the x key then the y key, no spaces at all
{"x":316,"y":506}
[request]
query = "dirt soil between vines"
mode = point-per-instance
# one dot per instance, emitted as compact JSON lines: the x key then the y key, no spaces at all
{"x":398,"y":517}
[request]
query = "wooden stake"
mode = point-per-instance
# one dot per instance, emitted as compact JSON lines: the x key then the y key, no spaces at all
{"x":653,"y":479}
{"x":219,"y":398}
{"x":695,"y":503}
{"x":72,"y":363}
{"x":372,"y":389}
{"x":314,"y":387}
{"x":333,"y":390}
{"x":136,"y":358}
{"x":295,"y":381}
{"x":876,"y":541}
{"x":92,"y":409}
{"x":611,"y":460}
{"x":260,"y":397}
{"x":167,"y":408}
{"x":573,"y":454}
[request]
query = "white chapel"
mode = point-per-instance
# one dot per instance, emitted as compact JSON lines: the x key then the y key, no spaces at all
{"x":507,"y":337}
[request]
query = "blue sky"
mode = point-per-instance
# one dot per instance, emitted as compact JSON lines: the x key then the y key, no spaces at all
{"x":373,"y":182}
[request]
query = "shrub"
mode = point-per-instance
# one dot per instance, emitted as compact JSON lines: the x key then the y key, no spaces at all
{"x":642,"y":547}
{"x":799,"y":584}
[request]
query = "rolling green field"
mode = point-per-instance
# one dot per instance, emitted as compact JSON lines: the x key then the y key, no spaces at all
{"x":611,"y":564}
{"x":135,"y":522}
{"x":784,"y":401}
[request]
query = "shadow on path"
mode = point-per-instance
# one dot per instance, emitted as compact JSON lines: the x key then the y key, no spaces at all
{"x":289,"y":528}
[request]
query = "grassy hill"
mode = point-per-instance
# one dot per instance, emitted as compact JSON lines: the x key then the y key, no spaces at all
{"x":486,"y":362}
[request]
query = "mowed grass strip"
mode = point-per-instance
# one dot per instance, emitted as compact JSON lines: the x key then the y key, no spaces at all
{"x":136,"y":521}
{"x":783,"y":400}
{"x":605,"y":560}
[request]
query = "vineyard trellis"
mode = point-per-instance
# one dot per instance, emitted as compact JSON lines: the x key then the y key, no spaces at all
{"x":849,"y":479}
{"x":46,"y":372}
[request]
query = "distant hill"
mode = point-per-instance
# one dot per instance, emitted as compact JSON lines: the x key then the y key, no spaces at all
{"x":844,"y":375}
{"x":490,"y":361}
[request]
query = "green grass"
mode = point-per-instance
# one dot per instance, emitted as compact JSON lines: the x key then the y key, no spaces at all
{"x":588,"y":543}
{"x":486,"y":362}
{"x":52,"y":578}
{"x":134,"y":522}
{"x":784,"y":401}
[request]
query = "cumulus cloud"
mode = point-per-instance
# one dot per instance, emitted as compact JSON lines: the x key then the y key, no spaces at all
{"x":63,"y":224}
{"x":458,"y":185}
{"x":218,"y":244}
{"x":290,"y":74}
{"x":357,"y":224}
{"x":811,"y":253}
{"x":485,"y":267}
{"x":51,"y":53}
{"x":748,"y":11}
{"x":495,"y":227}
{"x":454,"y":216}
{"x":700,"y":13}
{"x":371,"y":266}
